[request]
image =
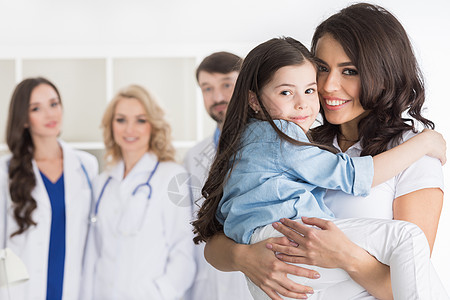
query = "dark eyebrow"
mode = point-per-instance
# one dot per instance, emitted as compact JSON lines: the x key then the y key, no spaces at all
{"x":346,"y":64}
{"x":321,"y":61}
{"x":343,"y":64}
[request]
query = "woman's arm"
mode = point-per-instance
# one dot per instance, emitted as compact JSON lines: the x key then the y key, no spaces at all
{"x":423,"y":208}
{"x":259,"y":264}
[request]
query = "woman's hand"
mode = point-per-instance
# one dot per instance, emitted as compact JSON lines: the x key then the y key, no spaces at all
{"x":270,"y":274}
{"x":324,"y":246}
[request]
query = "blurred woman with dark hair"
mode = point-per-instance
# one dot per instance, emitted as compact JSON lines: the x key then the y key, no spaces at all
{"x":47,"y":187}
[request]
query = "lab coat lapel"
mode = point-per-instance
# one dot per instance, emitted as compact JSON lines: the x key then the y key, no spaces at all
{"x":144,"y":165}
{"x":40,"y":192}
{"x":73,"y":174}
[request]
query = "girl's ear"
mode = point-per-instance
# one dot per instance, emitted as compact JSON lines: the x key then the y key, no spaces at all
{"x":253,"y":102}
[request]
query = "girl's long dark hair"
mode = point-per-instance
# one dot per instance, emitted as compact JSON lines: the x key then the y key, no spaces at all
{"x":21,"y":176}
{"x":391,"y":81}
{"x":257,"y":70}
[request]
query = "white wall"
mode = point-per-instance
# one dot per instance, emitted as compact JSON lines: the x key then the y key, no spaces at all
{"x":51,"y":28}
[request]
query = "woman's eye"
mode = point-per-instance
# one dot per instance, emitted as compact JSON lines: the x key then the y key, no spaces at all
{"x":35,"y":109}
{"x":322,"y":69}
{"x":350,"y":72}
{"x":120,"y":120}
{"x":310,"y":91}
{"x":142,"y":121}
{"x":54,"y":104}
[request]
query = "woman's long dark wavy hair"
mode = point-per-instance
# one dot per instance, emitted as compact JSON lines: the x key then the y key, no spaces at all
{"x":391,"y":81}
{"x":21,"y":176}
{"x":257,"y":70}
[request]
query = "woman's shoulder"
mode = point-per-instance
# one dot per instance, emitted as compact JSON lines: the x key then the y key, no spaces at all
{"x":87,"y":158}
{"x":406,"y":135}
{"x":424,"y":173}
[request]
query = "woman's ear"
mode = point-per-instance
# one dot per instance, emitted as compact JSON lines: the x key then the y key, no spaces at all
{"x":253,"y":102}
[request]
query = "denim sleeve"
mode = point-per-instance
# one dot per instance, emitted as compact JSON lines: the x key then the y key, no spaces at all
{"x":327,"y":170}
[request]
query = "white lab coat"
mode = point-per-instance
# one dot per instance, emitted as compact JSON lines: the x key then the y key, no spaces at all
{"x":32,"y":246}
{"x":145,"y":246}
{"x":209,"y":282}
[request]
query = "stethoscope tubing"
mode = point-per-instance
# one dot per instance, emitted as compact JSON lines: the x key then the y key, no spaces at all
{"x":94,"y":208}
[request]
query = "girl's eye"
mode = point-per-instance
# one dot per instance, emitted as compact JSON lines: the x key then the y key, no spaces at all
{"x":120,"y":120}
{"x":286,"y":93}
{"x":322,"y":69}
{"x":350,"y":72}
{"x":310,"y":91}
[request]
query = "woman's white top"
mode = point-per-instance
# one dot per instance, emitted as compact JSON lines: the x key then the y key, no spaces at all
{"x":32,"y":246}
{"x":145,"y":245}
{"x":425,"y":173}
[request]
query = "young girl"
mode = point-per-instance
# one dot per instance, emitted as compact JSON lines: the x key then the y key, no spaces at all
{"x":246,"y":192}
{"x":45,"y":195}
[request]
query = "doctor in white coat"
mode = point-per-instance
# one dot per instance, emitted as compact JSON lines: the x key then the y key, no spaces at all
{"x":141,"y":232}
{"x":45,"y":195}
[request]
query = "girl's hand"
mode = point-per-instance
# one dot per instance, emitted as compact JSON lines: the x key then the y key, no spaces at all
{"x":436,"y":143}
{"x":326,"y":246}
{"x":270,"y":274}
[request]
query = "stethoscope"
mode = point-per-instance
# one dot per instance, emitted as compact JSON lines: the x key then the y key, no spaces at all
{"x":95,"y":204}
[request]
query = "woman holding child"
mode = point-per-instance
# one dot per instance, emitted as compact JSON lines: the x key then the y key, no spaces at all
{"x":367,"y":78}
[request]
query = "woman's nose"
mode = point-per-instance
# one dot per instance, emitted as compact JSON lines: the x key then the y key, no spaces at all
{"x":331,"y":82}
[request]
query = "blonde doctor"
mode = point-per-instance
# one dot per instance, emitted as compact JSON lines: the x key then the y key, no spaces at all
{"x":140,"y":220}
{"x":45,"y":195}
